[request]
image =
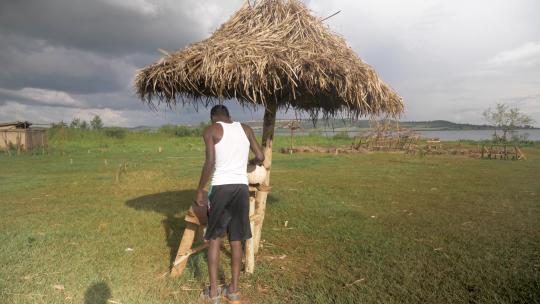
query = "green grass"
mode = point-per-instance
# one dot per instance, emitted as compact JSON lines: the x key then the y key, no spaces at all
{"x":365,"y":228}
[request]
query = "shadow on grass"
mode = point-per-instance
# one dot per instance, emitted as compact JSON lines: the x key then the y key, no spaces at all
{"x":271,"y":199}
{"x":172,"y":205}
{"x":98,"y":293}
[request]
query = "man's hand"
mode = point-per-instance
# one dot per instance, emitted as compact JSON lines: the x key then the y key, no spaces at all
{"x":255,"y":161}
{"x":200,"y":198}
{"x":254,"y":146}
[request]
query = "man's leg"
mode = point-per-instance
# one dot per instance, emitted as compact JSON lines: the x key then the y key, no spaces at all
{"x":236,"y":247}
{"x":213,"y":264}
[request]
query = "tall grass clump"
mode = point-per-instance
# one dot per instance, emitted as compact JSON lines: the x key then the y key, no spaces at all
{"x":182,"y":131}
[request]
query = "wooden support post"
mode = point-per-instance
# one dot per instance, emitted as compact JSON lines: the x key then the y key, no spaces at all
{"x":42,"y":143}
{"x":483,"y":149}
{"x":19,"y":143}
{"x":250,"y":250}
{"x":258,"y":204}
{"x":260,"y":209}
{"x":4,"y":136}
{"x":185,"y":247}
{"x":267,"y":139}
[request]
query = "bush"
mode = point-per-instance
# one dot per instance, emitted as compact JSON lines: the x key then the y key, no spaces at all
{"x":182,"y":131}
{"x":341,"y":135}
{"x":115,"y":132}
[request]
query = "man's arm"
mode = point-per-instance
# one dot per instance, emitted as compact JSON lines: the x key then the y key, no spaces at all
{"x":254,"y":146}
{"x":208,"y":167}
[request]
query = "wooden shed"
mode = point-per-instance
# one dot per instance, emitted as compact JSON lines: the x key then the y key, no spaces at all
{"x":21,"y":136}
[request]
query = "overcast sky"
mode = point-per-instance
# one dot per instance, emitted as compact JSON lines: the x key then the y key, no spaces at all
{"x":61,"y":59}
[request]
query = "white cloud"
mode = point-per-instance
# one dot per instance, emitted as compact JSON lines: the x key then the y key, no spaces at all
{"x":43,"y":96}
{"x":526,"y":55}
{"x":43,"y":114}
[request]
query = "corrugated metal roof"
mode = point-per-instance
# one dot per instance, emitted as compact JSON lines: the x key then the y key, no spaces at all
{"x":16,"y":124}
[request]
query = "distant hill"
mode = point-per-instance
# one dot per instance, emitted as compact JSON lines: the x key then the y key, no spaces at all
{"x":337,"y":124}
{"x":340,"y":124}
{"x":143,"y":128}
{"x":442,"y":125}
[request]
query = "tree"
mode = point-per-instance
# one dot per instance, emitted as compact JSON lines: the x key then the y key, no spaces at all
{"x":96,"y":123}
{"x":75,"y":123}
{"x":83,"y":125}
{"x":506,"y":119}
{"x":59,"y":125}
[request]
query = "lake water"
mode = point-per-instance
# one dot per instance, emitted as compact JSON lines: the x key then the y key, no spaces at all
{"x":533,"y":134}
{"x":475,"y":134}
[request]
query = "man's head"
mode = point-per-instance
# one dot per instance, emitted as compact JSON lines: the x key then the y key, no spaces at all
{"x":218,"y":113}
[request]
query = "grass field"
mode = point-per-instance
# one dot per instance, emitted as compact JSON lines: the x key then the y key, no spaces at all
{"x":364,"y":228}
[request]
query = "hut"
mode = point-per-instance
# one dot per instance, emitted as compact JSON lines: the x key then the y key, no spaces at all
{"x":21,"y":136}
{"x":274,"y":54}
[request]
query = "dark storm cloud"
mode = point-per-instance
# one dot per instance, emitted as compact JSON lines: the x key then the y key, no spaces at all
{"x":100,"y":26}
{"x":34,"y":63}
{"x":92,"y":47}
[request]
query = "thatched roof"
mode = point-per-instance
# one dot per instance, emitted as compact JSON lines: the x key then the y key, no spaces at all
{"x":274,"y":50}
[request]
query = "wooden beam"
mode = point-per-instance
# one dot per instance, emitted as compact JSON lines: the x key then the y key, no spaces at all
{"x":180,"y":263}
{"x":520,"y":153}
{"x":183,"y":258}
{"x":267,"y":139}
{"x":260,"y":210}
{"x":258,"y":204}
{"x":250,"y":250}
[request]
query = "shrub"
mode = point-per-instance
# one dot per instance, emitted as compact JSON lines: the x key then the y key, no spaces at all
{"x":182,"y":131}
{"x":341,"y":135}
{"x":115,"y":132}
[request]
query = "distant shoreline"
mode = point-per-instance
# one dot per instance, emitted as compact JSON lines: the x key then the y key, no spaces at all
{"x":339,"y":125}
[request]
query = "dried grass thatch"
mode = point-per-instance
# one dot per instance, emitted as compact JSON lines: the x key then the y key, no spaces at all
{"x":274,"y":50}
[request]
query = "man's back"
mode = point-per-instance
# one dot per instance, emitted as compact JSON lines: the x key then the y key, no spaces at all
{"x":231,"y":154}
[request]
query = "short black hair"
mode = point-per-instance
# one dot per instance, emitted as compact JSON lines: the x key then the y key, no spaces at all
{"x":219,"y":110}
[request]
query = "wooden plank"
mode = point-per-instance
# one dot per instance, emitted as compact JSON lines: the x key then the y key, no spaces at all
{"x":260,"y":210}
{"x":250,"y":250}
{"x":185,"y":247}
{"x":182,"y":259}
{"x":520,"y":153}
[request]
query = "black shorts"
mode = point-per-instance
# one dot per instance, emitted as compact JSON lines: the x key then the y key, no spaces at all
{"x":228,"y":212}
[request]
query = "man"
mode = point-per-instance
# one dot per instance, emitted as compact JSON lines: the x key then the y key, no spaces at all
{"x":227,"y":150}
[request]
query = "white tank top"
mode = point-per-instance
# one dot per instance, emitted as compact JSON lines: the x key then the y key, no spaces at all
{"x":232,"y":153}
